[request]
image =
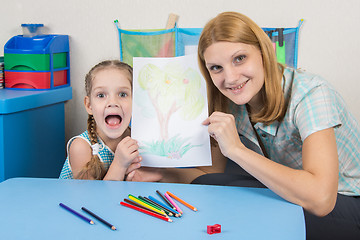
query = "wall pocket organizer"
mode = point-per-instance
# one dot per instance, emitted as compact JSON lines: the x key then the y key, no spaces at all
{"x":180,"y":41}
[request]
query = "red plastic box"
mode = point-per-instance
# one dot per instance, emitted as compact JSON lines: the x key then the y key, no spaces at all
{"x":35,"y":80}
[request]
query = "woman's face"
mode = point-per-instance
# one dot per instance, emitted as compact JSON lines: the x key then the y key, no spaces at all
{"x":236,"y":69}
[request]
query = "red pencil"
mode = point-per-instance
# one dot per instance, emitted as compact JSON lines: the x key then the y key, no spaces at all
{"x":146,"y":211}
{"x":139,"y":206}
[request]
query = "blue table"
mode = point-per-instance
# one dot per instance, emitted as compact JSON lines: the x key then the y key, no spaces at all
{"x":32,"y":132}
{"x":29,"y":209}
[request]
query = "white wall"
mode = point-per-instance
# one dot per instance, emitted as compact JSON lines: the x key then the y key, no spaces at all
{"x":328,"y":44}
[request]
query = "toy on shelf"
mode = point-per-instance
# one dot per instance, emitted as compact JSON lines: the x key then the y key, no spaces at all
{"x":37,"y":61}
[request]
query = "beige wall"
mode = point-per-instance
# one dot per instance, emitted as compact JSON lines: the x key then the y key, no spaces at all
{"x":328,"y":44}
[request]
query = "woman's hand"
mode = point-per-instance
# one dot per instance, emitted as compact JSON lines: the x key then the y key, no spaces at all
{"x":144,"y":174}
{"x":222,"y":128}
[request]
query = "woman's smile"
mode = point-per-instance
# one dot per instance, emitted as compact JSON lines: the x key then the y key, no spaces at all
{"x":240,"y":86}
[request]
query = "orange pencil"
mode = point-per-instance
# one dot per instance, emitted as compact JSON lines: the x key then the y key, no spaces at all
{"x":182,"y":201}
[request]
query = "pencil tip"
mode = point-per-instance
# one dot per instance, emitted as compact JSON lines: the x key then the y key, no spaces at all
{"x":92,"y":222}
{"x":113,"y":228}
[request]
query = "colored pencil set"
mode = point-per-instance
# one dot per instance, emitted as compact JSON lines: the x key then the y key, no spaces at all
{"x":148,"y":205}
{"x":156,"y":208}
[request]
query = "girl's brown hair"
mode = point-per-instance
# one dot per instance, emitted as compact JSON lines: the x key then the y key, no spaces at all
{"x":95,"y":168}
{"x":237,"y":28}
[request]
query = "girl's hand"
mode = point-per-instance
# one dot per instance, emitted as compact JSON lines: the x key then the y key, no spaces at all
{"x":133,"y":166}
{"x":222,"y":128}
{"x":126,"y":159}
{"x":127,"y":153}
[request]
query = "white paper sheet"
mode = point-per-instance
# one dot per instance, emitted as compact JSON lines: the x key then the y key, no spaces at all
{"x":169,"y":105}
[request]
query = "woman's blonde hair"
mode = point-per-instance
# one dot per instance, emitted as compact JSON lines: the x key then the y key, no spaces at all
{"x":237,"y":28}
{"x":95,"y":167}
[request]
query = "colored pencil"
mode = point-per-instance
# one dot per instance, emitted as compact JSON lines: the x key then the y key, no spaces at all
{"x":137,"y":200}
{"x":140,"y":206}
{"x":151,"y":204}
{"x":165,"y":199}
{"x":182,"y":201}
{"x":176,"y":213}
{"x":146,"y":212}
{"x":173,"y":203}
{"x":112,"y":227}
{"x":76,"y":213}
{"x":169,"y":213}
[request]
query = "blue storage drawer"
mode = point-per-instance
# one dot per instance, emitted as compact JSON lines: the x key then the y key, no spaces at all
{"x":32,"y":132}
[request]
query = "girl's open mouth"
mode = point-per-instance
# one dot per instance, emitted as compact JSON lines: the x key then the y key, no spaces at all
{"x":113,"y":120}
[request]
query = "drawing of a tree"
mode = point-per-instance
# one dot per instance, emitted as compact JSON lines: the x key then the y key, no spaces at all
{"x":170,"y":90}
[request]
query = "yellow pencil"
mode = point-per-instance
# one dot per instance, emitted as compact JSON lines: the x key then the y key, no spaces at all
{"x":135,"y":199}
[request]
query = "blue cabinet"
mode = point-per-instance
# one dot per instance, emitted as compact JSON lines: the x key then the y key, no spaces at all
{"x":32,"y":132}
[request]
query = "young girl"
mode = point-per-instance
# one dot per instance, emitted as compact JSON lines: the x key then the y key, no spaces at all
{"x":287,"y":128}
{"x":105,"y":151}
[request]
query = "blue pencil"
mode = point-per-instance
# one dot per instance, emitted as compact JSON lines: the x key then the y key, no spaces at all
{"x":76,"y":213}
{"x":176,"y":213}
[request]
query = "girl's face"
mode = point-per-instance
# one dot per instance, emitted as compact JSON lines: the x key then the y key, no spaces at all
{"x":110,"y":102}
{"x":236,"y":69}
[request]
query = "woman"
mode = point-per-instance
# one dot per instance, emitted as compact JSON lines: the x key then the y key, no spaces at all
{"x":287,"y":128}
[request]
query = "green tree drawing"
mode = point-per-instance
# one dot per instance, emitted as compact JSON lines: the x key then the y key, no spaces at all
{"x":170,"y":90}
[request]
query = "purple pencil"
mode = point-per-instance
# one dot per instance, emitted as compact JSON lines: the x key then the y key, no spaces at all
{"x":76,"y":213}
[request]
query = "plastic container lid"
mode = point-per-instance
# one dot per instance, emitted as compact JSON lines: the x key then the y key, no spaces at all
{"x":44,"y":44}
{"x":31,"y":30}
